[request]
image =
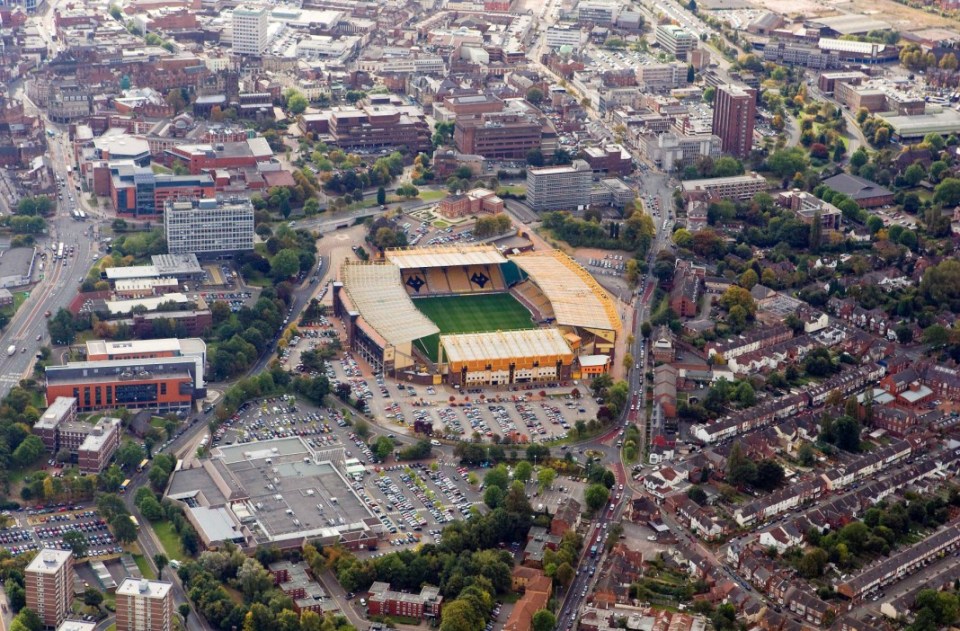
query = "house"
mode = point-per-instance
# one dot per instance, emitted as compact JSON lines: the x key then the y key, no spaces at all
{"x":566,"y":518}
{"x":685,"y":293}
{"x":536,"y":596}
{"x":643,"y":510}
{"x":663,"y":344}
{"x":539,"y":540}
{"x":781,"y":537}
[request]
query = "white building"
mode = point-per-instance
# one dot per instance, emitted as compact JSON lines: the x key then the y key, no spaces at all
{"x":675,"y":40}
{"x":205,"y":226}
{"x":559,"y":36}
{"x":560,"y":187}
{"x":250,"y":24}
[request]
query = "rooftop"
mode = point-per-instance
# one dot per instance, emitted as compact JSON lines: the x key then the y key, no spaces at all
{"x":377,"y":293}
{"x":504,"y":345}
{"x":143,"y":588}
{"x":49,"y":561}
{"x":54,"y":414}
{"x":445,"y":256}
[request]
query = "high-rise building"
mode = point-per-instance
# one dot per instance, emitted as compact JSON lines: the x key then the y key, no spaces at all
{"x":675,"y":41}
{"x":49,"y":583}
{"x":560,"y":187}
{"x":144,"y":605}
{"x":734,"y":108}
{"x":250,"y":30}
{"x":208,"y":226}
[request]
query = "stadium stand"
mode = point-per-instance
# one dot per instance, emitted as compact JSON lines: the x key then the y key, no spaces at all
{"x":437,"y":281}
{"x":533,"y":299}
{"x":415,"y":283}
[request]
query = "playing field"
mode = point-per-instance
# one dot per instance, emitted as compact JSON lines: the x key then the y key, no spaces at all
{"x":471,"y":314}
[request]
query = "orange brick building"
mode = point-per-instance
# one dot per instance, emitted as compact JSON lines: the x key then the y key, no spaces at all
{"x":473,"y":202}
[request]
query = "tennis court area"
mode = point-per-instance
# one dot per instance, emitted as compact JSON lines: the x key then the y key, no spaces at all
{"x":471,"y":314}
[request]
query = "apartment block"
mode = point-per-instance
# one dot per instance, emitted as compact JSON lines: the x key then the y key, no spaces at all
{"x":675,"y":41}
{"x":62,"y":410}
{"x":383,"y":601}
{"x":807,"y":207}
{"x":49,"y":585}
{"x":734,"y":110}
{"x":208,"y":226}
{"x":99,"y":445}
{"x":741,"y":187}
{"x":250,"y":26}
{"x":561,"y":187}
{"x":144,"y":605}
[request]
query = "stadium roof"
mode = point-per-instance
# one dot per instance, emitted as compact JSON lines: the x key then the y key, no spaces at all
{"x":378,"y":294}
{"x":576,"y":297}
{"x":445,"y":256}
{"x":496,"y":345}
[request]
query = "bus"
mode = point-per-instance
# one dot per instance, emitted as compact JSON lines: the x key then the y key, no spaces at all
{"x":123,"y":487}
{"x":143,"y":465}
{"x":60,"y":251}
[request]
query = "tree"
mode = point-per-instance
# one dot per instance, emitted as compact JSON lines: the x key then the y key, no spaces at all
{"x":76,"y":541}
{"x":523,"y":471}
{"x":535,"y":158}
{"x":381,"y":196}
{"x":28,"y":451}
{"x":184,"y":610}
{"x":254,"y":581}
{"x":382,"y":448}
{"x":407,"y":191}
{"x":296,"y":102}
{"x":564,"y":574}
{"x":769,"y":475}
{"x":161,"y":561}
{"x":150,"y":508}
{"x":913,"y":174}
{"x":812,"y":564}
{"x":130,"y":454}
{"x":285,"y":264}
{"x":740,"y":469}
{"x":92,"y":597}
{"x":535,"y":95}
{"x":543,"y":620}
{"x":545,"y":478}
{"x":697,"y":494}
{"x":123,"y":528}
{"x":858,"y":159}
{"x":787,"y":162}
{"x":847,"y":432}
{"x":691,"y":73}
{"x":709,"y":94}
{"x":806,"y":455}
{"x":596,"y":497}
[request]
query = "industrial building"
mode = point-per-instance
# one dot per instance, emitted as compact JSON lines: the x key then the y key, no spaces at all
{"x":559,"y":187}
{"x":49,"y":585}
{"x":144,"y":605}
{"x":208,"y":226}
{"x":277,"y":492}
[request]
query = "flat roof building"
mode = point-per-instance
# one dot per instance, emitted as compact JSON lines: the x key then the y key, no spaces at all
{"x":49,"y":585}
{"x":250,"y":29}
{"x":62,"y":410}
{"x":560,"y":187}
{"x":741,"y":187}
{"x":208,"y":226}
{"x":675,"y":40}
{"x":144,"y":605}
{"x":734,"y":110}
{"x":163,"y":384}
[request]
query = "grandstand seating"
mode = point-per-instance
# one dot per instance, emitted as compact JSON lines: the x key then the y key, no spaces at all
{"x":415,"y":283}
{"x":437,"y":281}
{"x":534,"y":299}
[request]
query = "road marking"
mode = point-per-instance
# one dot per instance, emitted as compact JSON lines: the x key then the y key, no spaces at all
{"x":11,"y":377}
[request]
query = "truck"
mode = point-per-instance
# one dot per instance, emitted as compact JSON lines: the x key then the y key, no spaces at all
{"x":11,"y":350}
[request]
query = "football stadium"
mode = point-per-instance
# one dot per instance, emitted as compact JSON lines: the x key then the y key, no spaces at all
{"x":468,"y":315}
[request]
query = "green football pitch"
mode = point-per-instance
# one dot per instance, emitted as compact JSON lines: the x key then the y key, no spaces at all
{"x":471,"y":314}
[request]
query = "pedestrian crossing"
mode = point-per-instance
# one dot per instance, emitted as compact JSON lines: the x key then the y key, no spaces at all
{"x":11,"y":377}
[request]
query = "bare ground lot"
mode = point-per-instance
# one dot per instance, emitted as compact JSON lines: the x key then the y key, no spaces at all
{"x":901,"y":17}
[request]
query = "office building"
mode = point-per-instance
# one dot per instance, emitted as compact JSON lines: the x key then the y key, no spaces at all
{"x":675,"y":41}
{"x":49,"y":584}
{"x":598,"y":12}
{"x":671,"y":151}
{"x":560,"y":36}
{"x":250,"y":30}
{"x":208,"y":226}
{"x":144,"y":605}
{"x":495,"y":129}
{"x":560,"y":187}
{"x":734,"y":110}
{"x":662,"y":77}
{"x":99,"y":445}
{"x":137,"y":192}
{"x":163,"y":384}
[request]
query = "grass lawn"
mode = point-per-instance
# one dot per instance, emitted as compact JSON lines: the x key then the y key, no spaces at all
{"x":471,"y":314}
{"x":19,"y":297}
{"x":513,"y":190}
{"x":144,"y":566}
{"x":160,"y":169}
{"x":169,"y":540}
{"x":432,"y":196}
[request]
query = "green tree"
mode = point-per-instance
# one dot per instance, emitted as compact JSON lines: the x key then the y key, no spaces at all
{"x":543,"y":620}
{"x":769,"y":475}
{"x":381,"y":196}
{"x":296,"y":102}
{"x":285,"y":264}
{"x":92,"y":597}
{"x":535,"y":95}
{"x":545,"y":478}
{"x":123,"y":528}
{"x":740,"y":469}
{"x":161,"y":561}
{"x":691,"y":73}
{"x":382,"y":448}
{"x":596,"y":497}
{"x":77,"y":542}
{"x":523,"y":471}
